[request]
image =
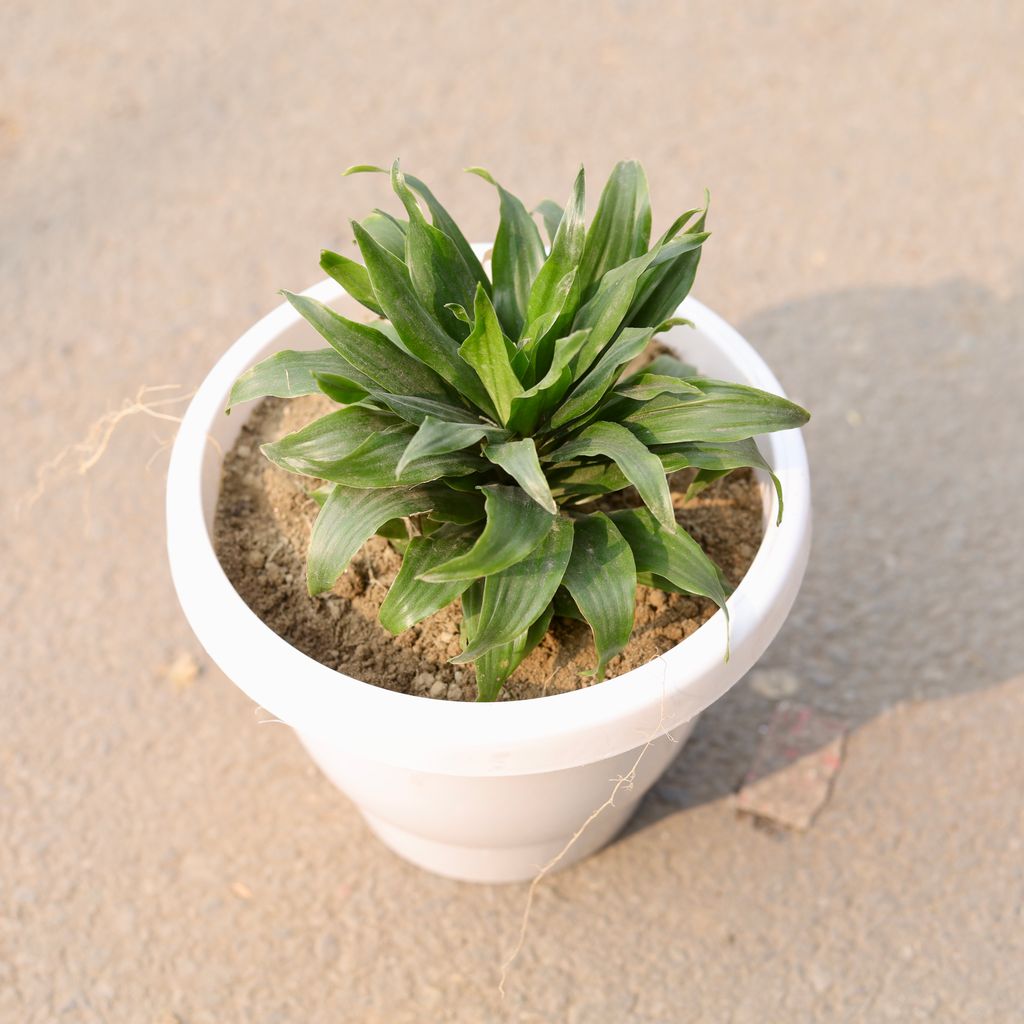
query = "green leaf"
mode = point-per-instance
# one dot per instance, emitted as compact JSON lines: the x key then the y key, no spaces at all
{"x":340,"y":389}
{"x":436,"y":268}
{"x":519,"y":460}
{"x":715,"y":460}
{"x":420,"y":333}
{"x":540,"y":336}
{"x":551,"y":214}
{"x":486,"y":351}
{"x":643,"y":469}
{"x":649,"y":385}
{"x":375,"y":463}
{"x":442,"y":220}
{"x":589,"y":479}
{"x":621,"y":229}
{"x":370,"y":352}
{"x":457,"y":506}
{"x":661,"y":366}
{"x":517,"y":257}
{"x":351,"y":276}
{"x":494,"y":667}
{"x":663,"y":288}
{"x":601,"y":577}
{"x":438,"y":437}
{"x":604,"y":313}
{"x":722,"y":412}
{"x":349,"y":518}
{"x":411,"y":599}
{"x":287,"y":374}
{"x":532,"y":404}
{"x":672,"y":554}
{"x":515,"y":526}
{"x":327,"y":440}
{"x":414,"y":409}
{"x":515,"y":598}
{"x":564,"y":259}
{"x":585,"y":396}
{"x":387,"y":231}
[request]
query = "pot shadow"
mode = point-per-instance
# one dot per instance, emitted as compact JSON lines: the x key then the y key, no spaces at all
{"x":913,"y":591}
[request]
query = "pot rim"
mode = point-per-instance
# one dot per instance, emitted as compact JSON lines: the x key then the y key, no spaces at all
{"x":548,"y":733}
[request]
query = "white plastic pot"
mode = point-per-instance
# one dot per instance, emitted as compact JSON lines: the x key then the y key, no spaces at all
{"x":481,"y":792}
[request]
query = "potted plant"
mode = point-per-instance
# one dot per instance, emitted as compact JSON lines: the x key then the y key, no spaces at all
{"x":481,"y":421}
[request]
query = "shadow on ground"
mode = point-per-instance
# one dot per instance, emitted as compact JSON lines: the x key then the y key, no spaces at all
{"x":913,"y":588}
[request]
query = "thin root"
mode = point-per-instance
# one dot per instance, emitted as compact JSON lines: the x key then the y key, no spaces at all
{"x":623,"y":782}
{"x":80,"y":457}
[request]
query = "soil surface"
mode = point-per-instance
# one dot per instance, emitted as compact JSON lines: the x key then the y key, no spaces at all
{"x":262,"y":529}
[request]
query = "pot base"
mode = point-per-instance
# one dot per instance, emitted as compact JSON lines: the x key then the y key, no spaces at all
{"x":496,"y":865}
{"x":473,"y":829}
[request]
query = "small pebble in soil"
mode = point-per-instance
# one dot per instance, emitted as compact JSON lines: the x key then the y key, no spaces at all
{"x":424,"y":681}
{"x":438,"y":689}
{"x":255,"y":558}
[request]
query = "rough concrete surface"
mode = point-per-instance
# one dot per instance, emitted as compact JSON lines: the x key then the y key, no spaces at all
{"x":164,"y":168}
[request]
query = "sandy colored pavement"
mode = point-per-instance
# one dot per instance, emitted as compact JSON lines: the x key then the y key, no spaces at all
{"x":164,"y":168}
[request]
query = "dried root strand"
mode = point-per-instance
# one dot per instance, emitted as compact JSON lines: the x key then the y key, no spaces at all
{"x":78,"y":458}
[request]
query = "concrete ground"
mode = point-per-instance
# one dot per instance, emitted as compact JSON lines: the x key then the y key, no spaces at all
{"x":164,"y":168}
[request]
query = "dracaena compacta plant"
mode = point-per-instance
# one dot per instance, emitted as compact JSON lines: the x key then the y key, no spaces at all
{"x":480,"y":417}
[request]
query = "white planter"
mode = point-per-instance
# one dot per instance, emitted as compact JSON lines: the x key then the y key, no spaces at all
{"x":481,"y":792}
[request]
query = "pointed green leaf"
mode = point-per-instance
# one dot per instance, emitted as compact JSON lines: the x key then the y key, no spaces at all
{"x":420,"y":333}
{"x":715,"y":460}
{"x":661,"y":366}
{"x":605,"y":312}
{"x":643,"y":469}
{"x":486,"y":351}
{"x":621,"y":229}
{"x":722,"y":412}
{"x":515,"y":526}
{"x":532,"y":404}
{"x":515,"y":598}
{"x":519,"y":460}
{"x":350,"y":517}
{"x":541,"y":335}
{"x":351,"y":276}
{"x":494,"y":667}
{"x":663,"y":288}
{"x":375,"y":463}
{"x":518,"y":255}
{"x":371,"y":352}
{"x":551,"y":214}
{"x":672,"y":554}
{"x":411,"y":599}
{"x":442,"y":220}
{"x":414,"y":409}
{"x":328,"y":439}
{"x":601,"y":577}
{"x":585,"y":396}
{"x":564,"y":259}
{"x":287,"y":374}
{"x":387,"y":231}
{"x":438,"y":437}
{"x":453,"y":505}
{"x":650,"y":385}
{"x":340,"y":389}
{"x":437,"y":270}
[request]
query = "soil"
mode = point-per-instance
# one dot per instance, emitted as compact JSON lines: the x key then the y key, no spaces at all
{"x":262,"y":528}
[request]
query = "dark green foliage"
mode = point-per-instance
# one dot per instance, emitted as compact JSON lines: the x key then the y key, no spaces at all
{"x":493,"y":412}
